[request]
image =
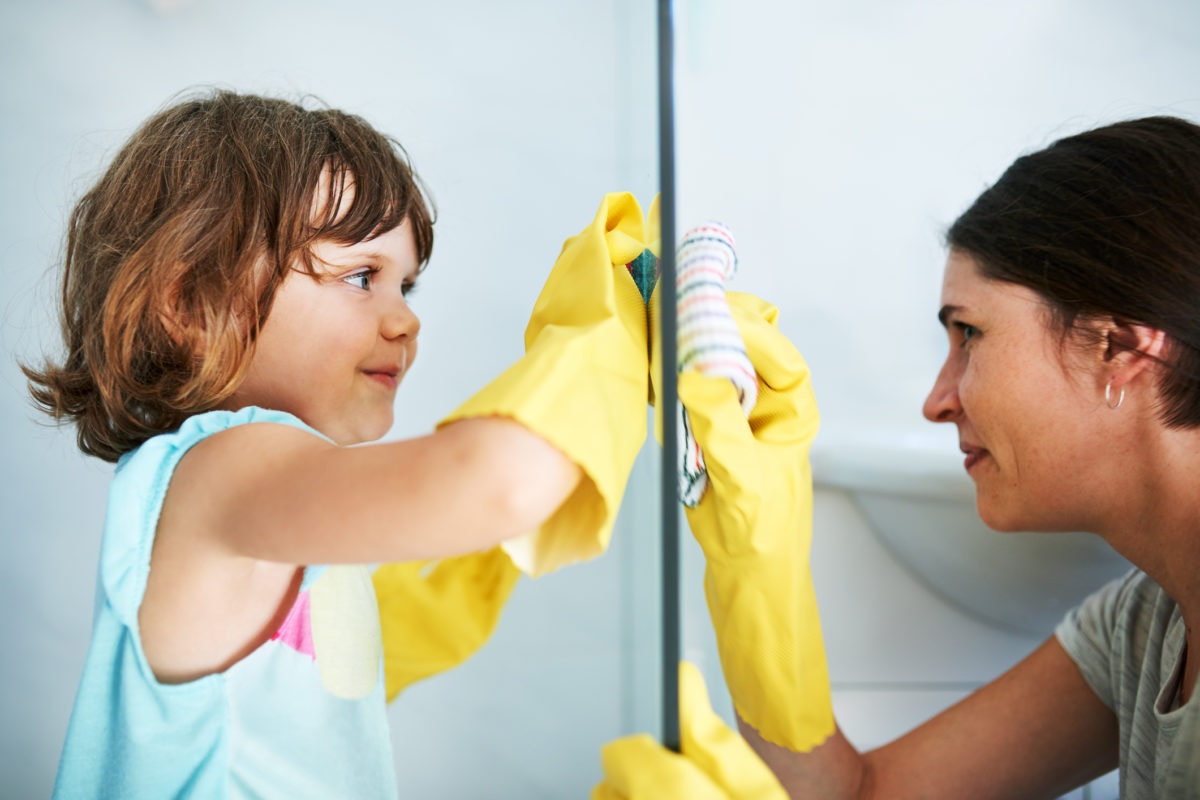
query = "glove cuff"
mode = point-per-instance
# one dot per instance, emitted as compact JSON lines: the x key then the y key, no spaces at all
{"x":584,"y":393}
{"x":773,"y":654}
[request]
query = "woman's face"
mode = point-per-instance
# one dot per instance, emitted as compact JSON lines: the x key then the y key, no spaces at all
{"x":1025,"y":408}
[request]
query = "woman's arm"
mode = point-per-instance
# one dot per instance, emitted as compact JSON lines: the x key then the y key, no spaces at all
{"x":1036,"y":731}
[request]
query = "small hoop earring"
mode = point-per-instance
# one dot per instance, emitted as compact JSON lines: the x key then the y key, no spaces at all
{"x":1108,"y":396}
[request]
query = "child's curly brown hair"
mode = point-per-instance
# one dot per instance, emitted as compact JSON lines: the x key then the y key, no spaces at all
{"x":173,"y":258}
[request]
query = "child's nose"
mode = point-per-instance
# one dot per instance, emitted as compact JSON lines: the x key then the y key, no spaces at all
{"x":400,"y":321}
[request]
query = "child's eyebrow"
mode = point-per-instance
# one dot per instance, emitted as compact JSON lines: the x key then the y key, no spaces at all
{"x":368,"y":252}
{"x":353,"y":254}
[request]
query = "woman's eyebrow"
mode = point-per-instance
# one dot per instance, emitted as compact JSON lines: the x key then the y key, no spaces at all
{"x":944,"y":313}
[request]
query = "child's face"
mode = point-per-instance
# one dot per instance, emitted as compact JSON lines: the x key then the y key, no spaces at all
{"x":334,"y":350}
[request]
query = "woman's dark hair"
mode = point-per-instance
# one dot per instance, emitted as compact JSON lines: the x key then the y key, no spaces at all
{"x":1105,"y":225}
{"x":173,"y":258}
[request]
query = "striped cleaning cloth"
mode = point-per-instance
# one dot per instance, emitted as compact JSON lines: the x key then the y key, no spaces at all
{"x":707,"y":337}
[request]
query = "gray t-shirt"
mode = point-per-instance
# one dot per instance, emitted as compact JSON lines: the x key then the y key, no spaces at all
{"x":1128,"y":640}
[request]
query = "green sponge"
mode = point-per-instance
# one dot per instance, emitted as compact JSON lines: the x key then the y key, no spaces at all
{"x":644,"y":270}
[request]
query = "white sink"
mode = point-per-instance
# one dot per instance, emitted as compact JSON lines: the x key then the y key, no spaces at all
{"x":911,"y":487}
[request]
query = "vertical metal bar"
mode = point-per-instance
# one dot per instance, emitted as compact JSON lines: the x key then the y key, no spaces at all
{"x":668,"y":396}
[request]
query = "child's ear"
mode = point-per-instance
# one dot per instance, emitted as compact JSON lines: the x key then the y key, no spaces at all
{"x":180,"y":324}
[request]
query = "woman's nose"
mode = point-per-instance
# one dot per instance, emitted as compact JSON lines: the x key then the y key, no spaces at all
{"x":943,"y":404}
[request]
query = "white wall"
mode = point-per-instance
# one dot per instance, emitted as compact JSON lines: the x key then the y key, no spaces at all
{"x":838,"y":139}
{"x":520,"y":116}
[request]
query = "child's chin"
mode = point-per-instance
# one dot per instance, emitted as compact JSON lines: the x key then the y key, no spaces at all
{"x":364,"y":432}
{"x":377,"y":431}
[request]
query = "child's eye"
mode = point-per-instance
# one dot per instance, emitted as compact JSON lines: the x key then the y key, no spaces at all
{"x":361,"y":279}
{"x":408,"y":288}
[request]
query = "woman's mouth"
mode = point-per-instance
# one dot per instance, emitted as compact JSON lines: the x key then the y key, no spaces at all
{"x":973,"y":456}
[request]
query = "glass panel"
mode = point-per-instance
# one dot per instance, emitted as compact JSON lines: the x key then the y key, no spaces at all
{"x":837,"y":140}
{"x":519,"y":116}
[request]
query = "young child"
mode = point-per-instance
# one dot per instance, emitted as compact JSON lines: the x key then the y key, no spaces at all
{"x":234,"y":316}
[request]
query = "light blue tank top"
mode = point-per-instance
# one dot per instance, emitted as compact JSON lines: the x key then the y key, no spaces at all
{"x":303,"y":716}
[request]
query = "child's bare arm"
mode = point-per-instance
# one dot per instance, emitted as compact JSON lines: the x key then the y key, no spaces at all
{"x":248,"y":506}
{"x":275,"y":493}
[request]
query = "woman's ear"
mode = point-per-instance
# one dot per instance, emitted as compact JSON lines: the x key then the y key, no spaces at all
{"x":1130,"y":349}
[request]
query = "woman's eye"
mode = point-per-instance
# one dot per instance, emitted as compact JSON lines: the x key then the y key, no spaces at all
{"x":968,"y":332}
{"x":362,"y":280}
{"x":408,"y":288}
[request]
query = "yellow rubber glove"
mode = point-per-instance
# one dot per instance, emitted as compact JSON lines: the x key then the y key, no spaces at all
{"x":714,"y":762}
{"x":582,"y":382}
{"x":754,"y":525}
{"x":436,"y":615}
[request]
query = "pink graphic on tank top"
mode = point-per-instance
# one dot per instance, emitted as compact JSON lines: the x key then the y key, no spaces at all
{"x":296,"y":630}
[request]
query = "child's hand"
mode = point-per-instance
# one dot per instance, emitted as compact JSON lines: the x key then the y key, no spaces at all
{"x":590,"y":284}
{"x":715,"y":763}
{"x":582,"y":383}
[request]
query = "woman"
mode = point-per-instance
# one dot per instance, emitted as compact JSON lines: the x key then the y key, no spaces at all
{"x":1071,"y":300}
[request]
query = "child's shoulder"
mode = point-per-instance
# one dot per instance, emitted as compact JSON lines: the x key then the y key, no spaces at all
{"x":195,"y":429}
{"x":207,"y":466}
